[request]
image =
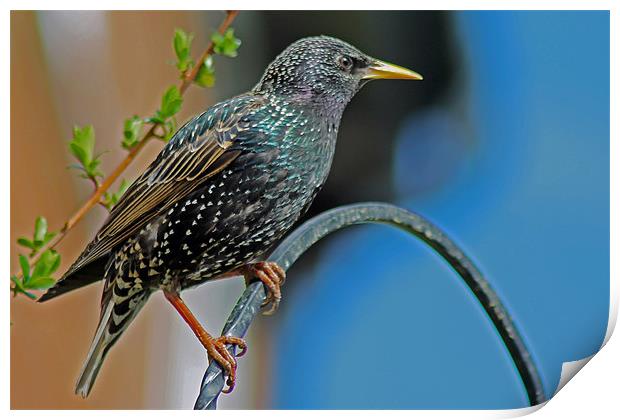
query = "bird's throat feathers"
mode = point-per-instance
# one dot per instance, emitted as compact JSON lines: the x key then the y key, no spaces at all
{"x":313,"y":97}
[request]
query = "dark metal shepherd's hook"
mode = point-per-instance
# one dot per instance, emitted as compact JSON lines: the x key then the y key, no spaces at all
{"x":249,"y":304}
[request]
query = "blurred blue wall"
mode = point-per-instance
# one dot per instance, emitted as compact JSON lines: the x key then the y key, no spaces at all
{"x":383,"y":322}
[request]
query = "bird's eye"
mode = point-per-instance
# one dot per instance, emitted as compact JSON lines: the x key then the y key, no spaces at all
{"x":345,"y":63}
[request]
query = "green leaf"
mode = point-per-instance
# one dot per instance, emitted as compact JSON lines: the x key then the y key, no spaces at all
{"x":106,"y":200}
{"x":182,"y":46}
{"x":155,"y":119}
{"x":182,"y":43}
{"x":83,"y":148}
{"x":131,"y":131}
{"x":55,"y":262}
{"x":23,"y":262}
{"x":75,"y":166}
{"x":170,"y":103}
{"x":83,"y":143}
{"x":18,"y":288}
{"x":40,"y":228}
{"x":48,"y":237}
{"x":92,"y":170}
{"x":170,"y":128}
{"x":226,"y":44}
{"x":25,"y":242}
{"x":206,"y":74}
{"x":40,"y":237}
{"x":47,"y":264}
{"x":40,"y":283}
{"x":16,"y":280}
{"x":29,"y":295}
{"x":110,"y":200}
{"x":122,"y":188}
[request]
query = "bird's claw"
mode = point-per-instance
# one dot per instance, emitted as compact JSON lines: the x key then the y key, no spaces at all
{"x":273,"y":277}
{"x":217,"y":350}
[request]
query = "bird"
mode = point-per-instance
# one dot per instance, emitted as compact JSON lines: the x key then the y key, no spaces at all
{"x":223,"y":191}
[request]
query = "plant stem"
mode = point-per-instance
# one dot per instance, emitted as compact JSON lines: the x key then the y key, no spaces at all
{"x":150,"y":134}
{"x":189,"y":78}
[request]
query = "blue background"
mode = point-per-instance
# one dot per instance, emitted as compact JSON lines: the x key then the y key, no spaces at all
{"x":382,"y":322}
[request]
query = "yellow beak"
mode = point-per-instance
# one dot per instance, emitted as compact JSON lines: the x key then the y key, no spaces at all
{"x":382,"y":70}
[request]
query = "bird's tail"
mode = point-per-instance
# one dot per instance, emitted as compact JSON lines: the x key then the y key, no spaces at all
{"x":110,"y":327}
{"x":98,"y":348}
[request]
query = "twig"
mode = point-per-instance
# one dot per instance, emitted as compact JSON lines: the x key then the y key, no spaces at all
{"x":309,"y":233}
{"x":187,"y":81}
{"x":150,"y":134}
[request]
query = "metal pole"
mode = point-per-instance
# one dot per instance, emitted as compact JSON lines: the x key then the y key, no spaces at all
{"x":313,"y":230}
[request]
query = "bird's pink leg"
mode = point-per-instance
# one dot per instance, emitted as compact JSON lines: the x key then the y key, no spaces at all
{"x":216,"y":347}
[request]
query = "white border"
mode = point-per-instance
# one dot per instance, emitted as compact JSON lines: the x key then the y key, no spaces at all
{"x":594,"y":393}
{"x":314,"y":5}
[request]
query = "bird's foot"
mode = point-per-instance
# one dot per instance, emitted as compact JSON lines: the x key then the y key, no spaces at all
{"x":216,"y":349}
{"x":272,"y":276}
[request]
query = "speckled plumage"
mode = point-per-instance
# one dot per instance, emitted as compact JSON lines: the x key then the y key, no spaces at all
{"x":229,"y":184}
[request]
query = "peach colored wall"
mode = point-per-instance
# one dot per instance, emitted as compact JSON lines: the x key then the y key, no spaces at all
{"x":48,"y":95}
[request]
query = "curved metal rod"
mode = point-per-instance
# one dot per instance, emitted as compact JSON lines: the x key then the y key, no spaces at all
{"x":313,"y":230}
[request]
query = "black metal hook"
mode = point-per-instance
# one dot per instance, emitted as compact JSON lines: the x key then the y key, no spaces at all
{"x":249,"y":304}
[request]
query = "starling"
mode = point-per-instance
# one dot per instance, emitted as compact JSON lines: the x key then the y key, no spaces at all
{"x":229,"y":184}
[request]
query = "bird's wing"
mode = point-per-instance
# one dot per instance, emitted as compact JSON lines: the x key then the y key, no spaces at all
{"x":196,"y":152}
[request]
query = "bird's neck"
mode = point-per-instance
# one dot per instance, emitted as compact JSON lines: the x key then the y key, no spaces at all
{"x":309,"y":131}
{"x":328,"y":106}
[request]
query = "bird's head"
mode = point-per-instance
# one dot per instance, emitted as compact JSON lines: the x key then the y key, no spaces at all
{"x":325,"y":71}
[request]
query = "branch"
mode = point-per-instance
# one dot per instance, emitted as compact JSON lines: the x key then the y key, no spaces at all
{"x":313,"y":230}
{"x":187,"y":81}
{"x":95,"y":198}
